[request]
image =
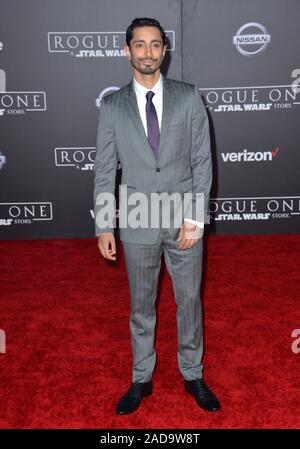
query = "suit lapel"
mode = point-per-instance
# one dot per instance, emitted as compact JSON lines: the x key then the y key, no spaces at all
{"x":134,"y":115}
{"x":168,"y":104}
{"x":135,"y":118}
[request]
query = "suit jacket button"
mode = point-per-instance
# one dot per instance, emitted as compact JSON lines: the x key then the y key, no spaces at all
{"x":158,"y":169}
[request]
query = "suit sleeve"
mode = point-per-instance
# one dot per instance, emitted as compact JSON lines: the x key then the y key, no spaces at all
{"x":105,"y":168}
{"x":200,"y":159}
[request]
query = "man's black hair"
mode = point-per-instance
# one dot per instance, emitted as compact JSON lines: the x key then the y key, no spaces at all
{"x":143,"y":22}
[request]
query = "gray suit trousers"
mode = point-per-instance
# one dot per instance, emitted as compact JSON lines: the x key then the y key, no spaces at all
{"x":143,"y":263}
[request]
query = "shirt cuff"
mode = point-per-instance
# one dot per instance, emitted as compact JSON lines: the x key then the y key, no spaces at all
{"x":197,"y":223}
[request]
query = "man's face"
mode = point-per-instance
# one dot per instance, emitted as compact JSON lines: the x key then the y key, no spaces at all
{"x":146,"y":51}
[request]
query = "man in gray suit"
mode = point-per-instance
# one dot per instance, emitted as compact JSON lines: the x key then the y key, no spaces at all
{"x":158,"y":129}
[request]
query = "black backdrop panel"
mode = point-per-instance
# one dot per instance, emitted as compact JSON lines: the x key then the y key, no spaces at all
{"x":57,"y":58}
{"x":244,"y":57}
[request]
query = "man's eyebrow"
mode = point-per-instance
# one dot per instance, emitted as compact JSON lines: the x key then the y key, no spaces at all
{"x":142,"y":40}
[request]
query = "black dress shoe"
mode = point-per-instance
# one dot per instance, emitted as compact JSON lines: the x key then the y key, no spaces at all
{"x":204,"y":397}
{"x":131,"y":401}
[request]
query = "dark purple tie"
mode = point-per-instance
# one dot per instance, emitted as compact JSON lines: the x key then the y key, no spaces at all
{"x":152,"y":123}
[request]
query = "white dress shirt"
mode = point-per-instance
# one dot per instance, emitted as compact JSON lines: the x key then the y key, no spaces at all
{"x":157,"y":100}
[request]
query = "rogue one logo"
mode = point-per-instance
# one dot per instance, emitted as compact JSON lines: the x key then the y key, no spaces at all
{"x":81,"y":158}
{"x":94,"y":44}
{"x":25,"y":213}
{"x":251,"y":39}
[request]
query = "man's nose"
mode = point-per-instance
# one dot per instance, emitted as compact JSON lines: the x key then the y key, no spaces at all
{"x":148,"y":52}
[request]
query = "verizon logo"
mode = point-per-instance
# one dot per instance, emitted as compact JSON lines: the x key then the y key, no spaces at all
{"x":250,"y":156}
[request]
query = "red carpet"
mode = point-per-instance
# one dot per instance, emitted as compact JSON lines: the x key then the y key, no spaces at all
{"x":65,"y":313}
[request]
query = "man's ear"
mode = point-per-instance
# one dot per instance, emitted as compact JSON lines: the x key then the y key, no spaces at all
{"x":127,"y":52}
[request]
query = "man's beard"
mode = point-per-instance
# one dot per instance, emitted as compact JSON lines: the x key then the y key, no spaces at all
{"x":146,"y":70}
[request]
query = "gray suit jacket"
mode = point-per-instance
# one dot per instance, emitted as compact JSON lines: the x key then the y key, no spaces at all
{"x":183,"y":163}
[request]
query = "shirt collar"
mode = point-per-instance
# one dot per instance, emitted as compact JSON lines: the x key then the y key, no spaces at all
{"x":142,"y":90}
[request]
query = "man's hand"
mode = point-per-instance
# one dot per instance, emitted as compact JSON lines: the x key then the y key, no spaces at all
{"x":107,"y":245}
{"x":189,"y":234}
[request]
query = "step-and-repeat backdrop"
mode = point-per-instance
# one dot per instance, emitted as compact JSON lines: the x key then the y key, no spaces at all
{"x":58,"y":59}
